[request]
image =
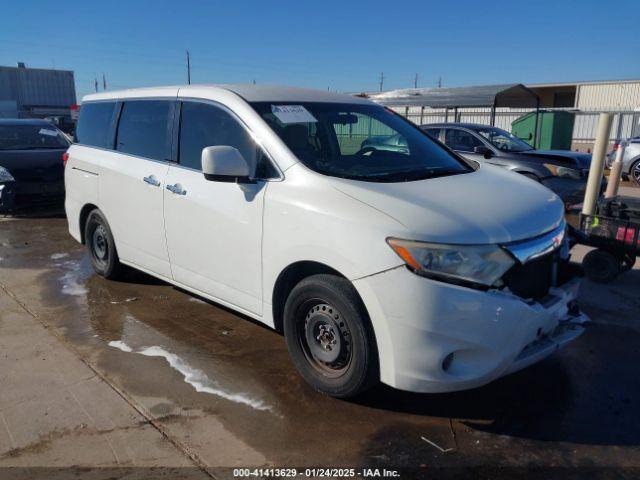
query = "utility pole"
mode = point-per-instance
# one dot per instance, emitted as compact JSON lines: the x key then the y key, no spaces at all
{"x":95,"y":83}
{"x":104,"y":82}
{"x":188,"y":68}
{"x":439,"y":82}
{"x":381,"y":80}
{"x":415,"y":81}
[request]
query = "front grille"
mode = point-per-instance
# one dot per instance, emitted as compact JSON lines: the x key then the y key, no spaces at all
{"x":535,"y":278}
{"x":531,"y":280}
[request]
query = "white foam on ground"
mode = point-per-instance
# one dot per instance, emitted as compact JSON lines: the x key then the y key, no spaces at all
{"x":71,"y":283}
{"x":193,"y":376}
{"x":58,"y":256}
{"x":120,"y":345}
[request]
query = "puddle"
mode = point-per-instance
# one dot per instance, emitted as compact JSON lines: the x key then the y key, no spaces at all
{"x":73,"y":279}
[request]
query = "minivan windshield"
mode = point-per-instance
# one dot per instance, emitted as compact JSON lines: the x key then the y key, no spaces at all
{"x":358,"y":141}
{"x":503,"y":140}
{"x":31,"y":137}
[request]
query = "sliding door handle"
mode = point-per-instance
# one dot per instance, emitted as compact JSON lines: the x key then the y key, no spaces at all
{"x":152,"y":180}
{"x":177,"y":189}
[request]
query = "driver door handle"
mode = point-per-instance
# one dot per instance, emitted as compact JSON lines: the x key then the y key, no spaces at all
{"x":152,"y":180}
{"x":177,"y":189}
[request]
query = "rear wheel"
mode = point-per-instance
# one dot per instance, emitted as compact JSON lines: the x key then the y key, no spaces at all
{"x":329,"y":336}
{"x":601,"y":266}
{"x":101,"y":246}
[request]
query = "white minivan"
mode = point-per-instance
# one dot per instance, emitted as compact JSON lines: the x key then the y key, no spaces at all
{"x":411,"y":266}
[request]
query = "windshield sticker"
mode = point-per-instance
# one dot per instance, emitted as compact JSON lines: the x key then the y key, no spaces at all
{"x":51,"y":133}
{"x":292,"y":114}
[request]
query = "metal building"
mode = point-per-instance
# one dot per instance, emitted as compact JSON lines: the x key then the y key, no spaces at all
{"x":36,"y":92}
{"x":585,"y":99}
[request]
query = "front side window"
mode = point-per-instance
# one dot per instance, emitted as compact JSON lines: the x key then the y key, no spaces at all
{"x":204,"y":125}
{"x":94,"y":124}
{"x":503,"y":140}
{"x":143,"y":129}
{"x":361,"y":142}
{"x":31,"y":137}
{"x":461,"y":140}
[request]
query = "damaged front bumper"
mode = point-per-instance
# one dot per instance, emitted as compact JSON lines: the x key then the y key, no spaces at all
{"x":438,"y":337}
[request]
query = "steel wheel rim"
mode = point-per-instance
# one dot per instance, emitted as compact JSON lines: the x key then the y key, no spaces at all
{"x":325,"y":338}
{"x":100,"y":245}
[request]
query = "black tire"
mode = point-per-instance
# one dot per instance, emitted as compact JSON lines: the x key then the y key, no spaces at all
{"x":101,"y":246}
{"x":532,"y":176}
{"x":329,"y":336}
{"x":601,"y":266}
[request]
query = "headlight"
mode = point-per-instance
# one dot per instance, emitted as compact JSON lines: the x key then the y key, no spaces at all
{"x":564,"y":172}
{"x":5,"y":176}
{"x":480,"y":264}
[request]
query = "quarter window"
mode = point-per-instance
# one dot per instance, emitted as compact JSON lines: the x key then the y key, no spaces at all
{"x":94,"y":124}
{"x":204,"y":125}
{"x":143,"y":129}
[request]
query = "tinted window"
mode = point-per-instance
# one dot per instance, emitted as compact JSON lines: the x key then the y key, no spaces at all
{"x":433,"y":132}
{"x":143,"y":129}
{"x":461,"y":140}
{"x":203,"y":125}
{"x":94,"y":124}
{"x":358,"y":141}
{"x":31,"y":137}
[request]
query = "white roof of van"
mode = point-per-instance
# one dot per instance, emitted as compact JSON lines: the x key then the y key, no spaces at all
{"x":251,"y":93}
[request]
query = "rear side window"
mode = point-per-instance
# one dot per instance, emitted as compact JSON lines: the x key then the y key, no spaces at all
{"x":204,"y":125}
{"x":433,"y":133}
{"x":143,"y":129}
{"x":461,"y":140}
{"x":94,"y":124}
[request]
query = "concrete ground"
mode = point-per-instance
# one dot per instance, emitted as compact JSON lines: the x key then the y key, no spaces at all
{"x":131,"y":377}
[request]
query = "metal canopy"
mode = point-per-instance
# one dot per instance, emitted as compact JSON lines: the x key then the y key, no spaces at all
{"x":509,"y":95}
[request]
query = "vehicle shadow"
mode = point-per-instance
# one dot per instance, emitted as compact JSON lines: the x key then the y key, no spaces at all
{"x":586,"y":394}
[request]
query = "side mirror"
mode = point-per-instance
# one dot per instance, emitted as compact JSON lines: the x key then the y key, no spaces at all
{"x":223,"y":163}
{"x":482,"y":150}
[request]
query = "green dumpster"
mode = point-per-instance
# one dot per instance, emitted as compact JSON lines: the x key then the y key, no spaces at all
{"x":555,"y":129}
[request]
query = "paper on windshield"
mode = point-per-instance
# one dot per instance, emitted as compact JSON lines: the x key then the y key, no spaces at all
{"x":292,"y":114}
{"x":51,"y":133}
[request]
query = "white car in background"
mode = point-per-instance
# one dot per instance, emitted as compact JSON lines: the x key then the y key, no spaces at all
{"x":630,"y":159}
{"x":418,"y":268}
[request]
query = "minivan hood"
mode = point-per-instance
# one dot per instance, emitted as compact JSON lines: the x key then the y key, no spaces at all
{"x":490,"y":205}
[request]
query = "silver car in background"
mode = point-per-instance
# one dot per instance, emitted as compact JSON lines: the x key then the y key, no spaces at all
{"x":630,"y":160}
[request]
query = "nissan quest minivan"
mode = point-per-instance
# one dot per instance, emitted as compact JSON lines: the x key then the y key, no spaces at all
{"x":414,"y":267}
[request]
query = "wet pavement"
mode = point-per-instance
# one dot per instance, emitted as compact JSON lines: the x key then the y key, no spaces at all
{"x":222,"y":385}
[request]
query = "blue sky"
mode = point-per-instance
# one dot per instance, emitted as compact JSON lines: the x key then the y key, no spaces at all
{"x":339,"y":45}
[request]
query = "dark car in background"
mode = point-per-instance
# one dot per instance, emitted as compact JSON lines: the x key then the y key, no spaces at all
{"x":31,"y":165}
{"x":563,"y":171}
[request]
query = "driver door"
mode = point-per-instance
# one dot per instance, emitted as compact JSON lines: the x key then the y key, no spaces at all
{"x":214,"y":228}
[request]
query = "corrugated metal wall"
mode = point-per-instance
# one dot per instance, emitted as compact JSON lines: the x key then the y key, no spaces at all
{"x":614,"y":96}
{"x":32,"y":87}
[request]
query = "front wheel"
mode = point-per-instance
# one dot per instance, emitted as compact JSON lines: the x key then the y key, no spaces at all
{"x":329,"y":336}
{"x":101,"y":246}
{"x":635,"y":173}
